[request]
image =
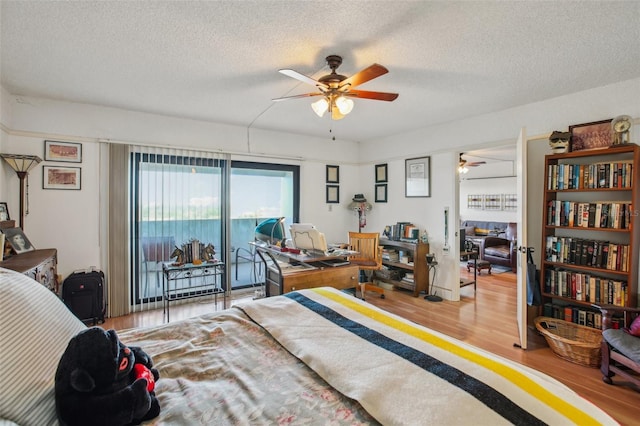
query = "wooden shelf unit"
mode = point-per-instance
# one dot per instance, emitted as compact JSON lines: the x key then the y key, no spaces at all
{"x":588,"y":270}
{"x":418,"y":251}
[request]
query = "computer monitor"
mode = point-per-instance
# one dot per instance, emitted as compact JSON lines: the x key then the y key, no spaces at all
{"x":270,"y":231}
{"x":305,"y":236}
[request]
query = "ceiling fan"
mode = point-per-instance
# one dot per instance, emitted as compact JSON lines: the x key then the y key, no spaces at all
{"x":464,"y":164}
{"x":336,"y":89}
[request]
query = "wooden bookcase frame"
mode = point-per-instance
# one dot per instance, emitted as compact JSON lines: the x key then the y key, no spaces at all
{"x":629,"y":153}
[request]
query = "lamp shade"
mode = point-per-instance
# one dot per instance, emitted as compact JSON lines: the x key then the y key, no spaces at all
{"x":320,"y":106}
{"x":21,"y":163}
{"x":345,"y":105}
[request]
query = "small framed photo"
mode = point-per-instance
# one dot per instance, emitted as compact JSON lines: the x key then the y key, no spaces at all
{"x":595,"y":135}
{"x":17,"y":240}
{"x":67,"y":152}
{"x":55,"y":177}
{"x":417,"y":177}
{"x":381,"y":193}
{"x":333,"y":194}
{"x":381,"y":173}
{"x":4,"y":212}
{"x":333,"y":174}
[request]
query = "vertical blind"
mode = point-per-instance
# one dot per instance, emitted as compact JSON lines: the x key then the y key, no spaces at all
{"x":175,"y":196}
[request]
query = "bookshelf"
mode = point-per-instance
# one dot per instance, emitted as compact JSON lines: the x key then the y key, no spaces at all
{"x":591,"y":232}
{"x":411,"y":261}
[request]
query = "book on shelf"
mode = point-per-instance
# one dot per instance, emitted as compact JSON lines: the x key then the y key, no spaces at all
{"x":580,"y":315}
{"x":585,"y":287}
{"x":590,"y":176}
{"x":597,"y":214}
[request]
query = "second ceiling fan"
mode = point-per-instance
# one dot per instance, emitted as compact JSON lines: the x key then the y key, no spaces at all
{"x":464,"y":164}
{"x":336,"y":89}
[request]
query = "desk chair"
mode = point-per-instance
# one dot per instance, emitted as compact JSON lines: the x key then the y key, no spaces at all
{"x":368,"y":259}
{"x":155,"y":250}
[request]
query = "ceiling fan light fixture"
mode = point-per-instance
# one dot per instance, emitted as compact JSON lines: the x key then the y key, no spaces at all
{"x":344,"y":104}
{"x":462,"y":169}
{"x":320,"y":106}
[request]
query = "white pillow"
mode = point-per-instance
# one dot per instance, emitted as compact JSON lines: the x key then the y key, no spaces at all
{"x":35,"y":329}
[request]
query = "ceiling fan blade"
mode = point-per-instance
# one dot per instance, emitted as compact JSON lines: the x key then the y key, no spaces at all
{"x":378,"y":96}
{"x":301,"y":77}
{"x":365,"y":75}
{"x":304,"y":95}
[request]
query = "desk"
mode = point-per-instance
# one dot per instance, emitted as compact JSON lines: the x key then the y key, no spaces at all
{"x":287,"y":271}
{"x":196,"y":280}
{"x":473,"y":254}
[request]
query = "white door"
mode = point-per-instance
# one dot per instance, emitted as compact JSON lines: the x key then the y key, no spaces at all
{"x":521,"y":191}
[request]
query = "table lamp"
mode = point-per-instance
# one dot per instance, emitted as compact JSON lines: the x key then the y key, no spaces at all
{"x":22,"y":164}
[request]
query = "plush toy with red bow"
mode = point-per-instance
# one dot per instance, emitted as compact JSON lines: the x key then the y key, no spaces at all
{"x":100,"y":381}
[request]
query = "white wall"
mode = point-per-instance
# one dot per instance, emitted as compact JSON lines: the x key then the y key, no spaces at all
{"x":68,"y":220}
{"x":504,"y":185}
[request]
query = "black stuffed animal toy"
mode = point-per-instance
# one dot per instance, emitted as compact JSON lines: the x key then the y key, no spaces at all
{"x":100,"y":381}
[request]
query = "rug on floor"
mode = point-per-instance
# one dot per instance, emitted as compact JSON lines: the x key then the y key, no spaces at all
{"x":495,"y":269}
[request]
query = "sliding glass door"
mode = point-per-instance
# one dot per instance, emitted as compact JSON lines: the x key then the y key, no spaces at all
{"x":181,"y":196}
{"x":258,"y":191}
{"x":176,"y":200}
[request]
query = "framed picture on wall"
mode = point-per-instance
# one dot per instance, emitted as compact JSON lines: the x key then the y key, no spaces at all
{"x":381,"y":193}
{"x":67,"y":152}
{"x":417,"y":177}
{"x":333,"y":194}
{"x":381,"y":173}
{"x":56,"y":177}
{"x":333,"y":174}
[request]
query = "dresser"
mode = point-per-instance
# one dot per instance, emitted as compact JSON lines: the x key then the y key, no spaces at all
{"x":41,"y":265}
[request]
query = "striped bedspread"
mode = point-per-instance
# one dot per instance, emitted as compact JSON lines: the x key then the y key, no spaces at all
{"x":406,"y":374}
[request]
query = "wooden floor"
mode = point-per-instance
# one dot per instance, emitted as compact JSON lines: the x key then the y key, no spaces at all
{"x":486,"y":320}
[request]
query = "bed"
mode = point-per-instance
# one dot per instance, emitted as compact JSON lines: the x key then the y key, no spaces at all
{"x":315,"y":356}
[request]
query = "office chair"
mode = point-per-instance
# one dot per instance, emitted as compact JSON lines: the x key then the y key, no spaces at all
{"x":155,"y":250}
{"x":368,"y":259}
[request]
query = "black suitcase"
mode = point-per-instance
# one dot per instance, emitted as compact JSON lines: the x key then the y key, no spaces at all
{"x":83,"y":293}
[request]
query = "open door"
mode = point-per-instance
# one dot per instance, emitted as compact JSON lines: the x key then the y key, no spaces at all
{"x":521,"y":191}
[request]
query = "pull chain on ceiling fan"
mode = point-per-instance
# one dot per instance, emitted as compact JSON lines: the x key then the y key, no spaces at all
{"x":336,"y":89}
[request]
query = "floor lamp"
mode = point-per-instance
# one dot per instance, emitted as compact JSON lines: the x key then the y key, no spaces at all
{"x":22,"y":164}
{"x":360,"y":204}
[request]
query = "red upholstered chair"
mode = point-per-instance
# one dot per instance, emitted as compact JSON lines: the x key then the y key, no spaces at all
{"x":620,"y":348}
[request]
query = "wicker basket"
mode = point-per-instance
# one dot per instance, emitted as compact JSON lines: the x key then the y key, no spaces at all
{"x":573,"y":342}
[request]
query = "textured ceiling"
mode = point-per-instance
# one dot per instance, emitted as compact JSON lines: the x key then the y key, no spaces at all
{"x":218,"y":60}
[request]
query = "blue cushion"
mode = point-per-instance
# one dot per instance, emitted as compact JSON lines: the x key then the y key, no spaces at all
{"x":623,"y":342}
